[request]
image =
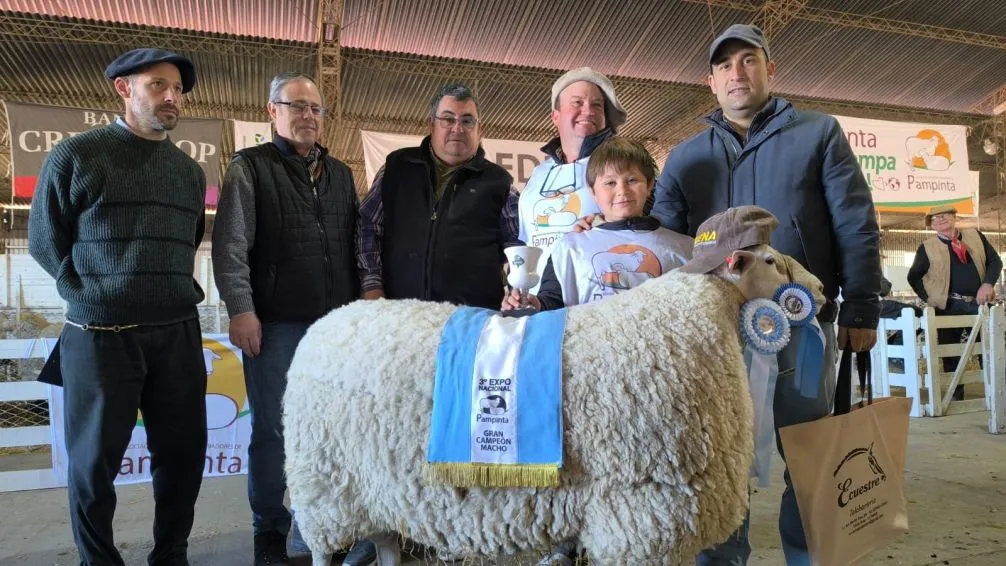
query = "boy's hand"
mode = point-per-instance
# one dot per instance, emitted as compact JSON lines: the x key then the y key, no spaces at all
{"x":512,"y":301}
{"x":586,"y":223}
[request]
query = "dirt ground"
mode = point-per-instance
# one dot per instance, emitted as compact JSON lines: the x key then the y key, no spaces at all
{"x":955,"y":484}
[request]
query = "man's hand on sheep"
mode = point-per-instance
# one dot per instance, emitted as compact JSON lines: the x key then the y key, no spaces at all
{"x":246,"y":333}
{"x":858,"y":339}
{"x":513,"y":301}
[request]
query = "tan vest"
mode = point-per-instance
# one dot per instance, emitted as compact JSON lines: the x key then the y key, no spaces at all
{"x":936,"y":281}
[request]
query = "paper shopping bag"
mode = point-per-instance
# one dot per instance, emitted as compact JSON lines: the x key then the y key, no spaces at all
{"x":848,"y":473}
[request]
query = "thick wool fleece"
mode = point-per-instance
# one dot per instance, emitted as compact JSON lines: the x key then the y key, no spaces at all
{"x":658,"y":440}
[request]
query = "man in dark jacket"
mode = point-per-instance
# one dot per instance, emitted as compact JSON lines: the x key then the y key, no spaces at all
{"x":759,"y":150}
{"x":438,"y":216}
{"x":434,"y":226}
{"x":283,"y":257}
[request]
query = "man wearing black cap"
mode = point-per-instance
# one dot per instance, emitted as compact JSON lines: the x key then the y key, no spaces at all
{"x":798,"y":165}
{"x":116,"y":218}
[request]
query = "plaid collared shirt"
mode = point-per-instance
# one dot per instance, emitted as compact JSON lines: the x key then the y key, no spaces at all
{"x":371,"y":231}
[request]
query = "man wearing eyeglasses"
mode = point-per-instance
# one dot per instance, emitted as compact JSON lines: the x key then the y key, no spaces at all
{"x":955,"y":272}
{"x":438,"y":216}
{"x":283,"y":257}
{"x":433,"y":227}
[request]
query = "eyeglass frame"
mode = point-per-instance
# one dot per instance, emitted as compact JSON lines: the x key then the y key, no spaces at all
{"x":450,"y":120}
{"x":293,"y":106}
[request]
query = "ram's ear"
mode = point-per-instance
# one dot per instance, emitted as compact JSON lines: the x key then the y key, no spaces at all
{"x":799,"y":274}
{"x":739,"y":262}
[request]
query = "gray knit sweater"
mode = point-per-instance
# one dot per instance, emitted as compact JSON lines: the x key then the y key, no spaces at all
{"x":116,"y":220}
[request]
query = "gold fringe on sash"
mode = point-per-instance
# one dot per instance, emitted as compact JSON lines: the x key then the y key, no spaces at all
{"x":491,"y":475}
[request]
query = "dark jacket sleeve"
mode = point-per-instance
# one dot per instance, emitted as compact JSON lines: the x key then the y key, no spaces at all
{"x":550,"y":290}
{"x":993,"y":263}
{"x":920,"y":266}
{"x":857,"y":236}
{"x":669,"y":205}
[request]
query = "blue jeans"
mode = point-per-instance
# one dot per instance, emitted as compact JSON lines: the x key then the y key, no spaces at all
{"x":789,"y":408}
{"x":265,"y":379}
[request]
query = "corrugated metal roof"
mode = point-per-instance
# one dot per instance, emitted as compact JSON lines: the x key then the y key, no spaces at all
{"x":57,"y":69}
{"x":654,"y":39}
{"x":854,"y":64}
{"x":652,"y":45}
{"x":293,"y":20}
{"x":667,"y":41}
{"x":982,"y":16}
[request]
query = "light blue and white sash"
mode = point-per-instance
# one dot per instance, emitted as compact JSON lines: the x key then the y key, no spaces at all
{"x":763,"y":374}
{"x":497,"y":401}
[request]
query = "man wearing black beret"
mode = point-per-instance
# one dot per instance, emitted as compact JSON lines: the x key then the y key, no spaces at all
{"x":117,"y":216}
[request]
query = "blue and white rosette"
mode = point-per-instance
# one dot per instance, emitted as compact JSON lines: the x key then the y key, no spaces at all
{"x":764,"y":326}
{"x":798,"y":304}
{"x":765,"y":331}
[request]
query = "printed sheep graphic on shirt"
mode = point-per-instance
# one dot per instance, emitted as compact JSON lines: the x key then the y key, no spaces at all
{"x":625,"y":266}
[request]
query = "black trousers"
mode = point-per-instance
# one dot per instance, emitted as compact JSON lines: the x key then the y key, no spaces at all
{"x":107,"y":377}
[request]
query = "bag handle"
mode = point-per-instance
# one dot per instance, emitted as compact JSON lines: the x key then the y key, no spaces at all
{"x":863,"y":364}
{"x":843,"y":386}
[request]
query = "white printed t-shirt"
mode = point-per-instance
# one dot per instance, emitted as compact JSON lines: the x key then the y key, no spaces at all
{"x":554,"y":198}
{"x":615,"y":257}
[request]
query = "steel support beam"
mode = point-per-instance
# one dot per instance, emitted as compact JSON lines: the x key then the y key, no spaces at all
{"x":993,"y":104}
{"x":775,"y":14}
{"x":329,"y":64}
{"x":37,"y":28}
{"x":999,"y":133}
{"x":489,"y":73}
{"x":114,"y":103}
{"x":874,"y":23}
{"x":397,"y":63}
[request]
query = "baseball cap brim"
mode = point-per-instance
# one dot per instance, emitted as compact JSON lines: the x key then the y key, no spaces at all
{"x":702,"y":265}
{"x":714,"y":48}
{"x":748,"y":34}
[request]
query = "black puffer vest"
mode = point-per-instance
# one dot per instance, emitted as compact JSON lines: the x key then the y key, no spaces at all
{"x":451,"y":252}
{"x":303,"y":261}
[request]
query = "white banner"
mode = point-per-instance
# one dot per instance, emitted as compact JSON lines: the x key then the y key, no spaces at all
{"x":912,"y":167}
{"x":517,"y":157}
{"x":247,"y":134}
{"x":227,"y":418}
